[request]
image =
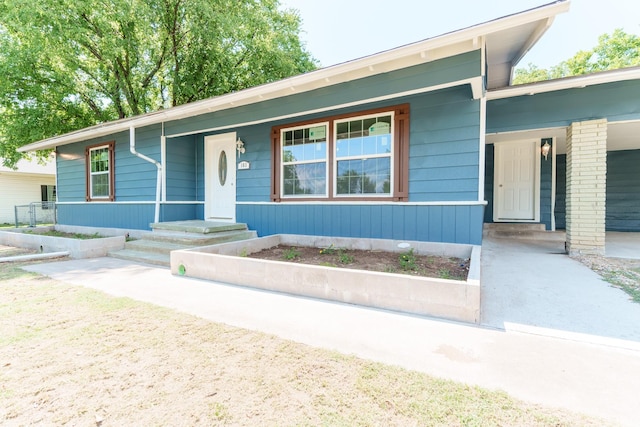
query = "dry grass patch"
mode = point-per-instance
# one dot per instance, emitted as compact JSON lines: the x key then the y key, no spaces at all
{"x":71,"y":355}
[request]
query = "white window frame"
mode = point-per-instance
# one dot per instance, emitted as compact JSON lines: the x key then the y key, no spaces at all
{"x":390,"y":155}
{"x":326,"y":161}
{"x":107,"y":173}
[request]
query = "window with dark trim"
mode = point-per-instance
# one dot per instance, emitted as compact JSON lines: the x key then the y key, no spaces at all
{"x":100,"y":172}
{"x":357,"y":156}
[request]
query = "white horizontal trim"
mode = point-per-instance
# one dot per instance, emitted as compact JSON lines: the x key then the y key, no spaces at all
{"x":142,"y":202}
{"x":365,"y":203}
{"x":574,"y":82}
{"x":471,"y":81}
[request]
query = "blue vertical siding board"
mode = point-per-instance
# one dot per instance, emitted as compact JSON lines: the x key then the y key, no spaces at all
{"x":448,"y":224}
{"x":422,"y":221}
{"x":463,"y":226}
{"x":410,"y":221}
{"x":435,"y":224}
{"x":397,"y":222}
{"x":456,"y":224}
{"x":375,"y":221}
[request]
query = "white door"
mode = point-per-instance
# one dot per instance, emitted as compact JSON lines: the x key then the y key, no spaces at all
{"x":516,"y":174}
{"x":220,"y":177}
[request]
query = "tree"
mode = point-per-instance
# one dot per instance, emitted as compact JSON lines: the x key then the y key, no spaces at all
{"x":69,"y":64}
{"x":617,"y":50}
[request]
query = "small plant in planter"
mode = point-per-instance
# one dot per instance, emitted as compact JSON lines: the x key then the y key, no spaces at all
{"x":330,"y":250}
{"x":344,"y":257}
{"x":408,"y":260}
{"x":291,"y":254}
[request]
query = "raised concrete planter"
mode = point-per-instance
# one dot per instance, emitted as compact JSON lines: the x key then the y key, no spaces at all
{"x":450,"y":299}
{"x":77,"y":248}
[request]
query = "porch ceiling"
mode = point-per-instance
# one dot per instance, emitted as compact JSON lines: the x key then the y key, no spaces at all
{"x":620,"y":136}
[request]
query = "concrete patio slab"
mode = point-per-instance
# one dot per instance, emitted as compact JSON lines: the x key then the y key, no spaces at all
{"x":533,"y":286}
{"x":622,"y":245}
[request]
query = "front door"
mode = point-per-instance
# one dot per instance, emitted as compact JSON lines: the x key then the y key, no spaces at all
{"x":516,"y":193}
{"x":220,"y":177}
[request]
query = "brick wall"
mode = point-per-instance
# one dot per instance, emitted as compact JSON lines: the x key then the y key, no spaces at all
{"x":586,"y":186}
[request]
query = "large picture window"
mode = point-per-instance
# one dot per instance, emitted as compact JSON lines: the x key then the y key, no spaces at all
{"x":360,"y":156}
{"x":100,"y":166}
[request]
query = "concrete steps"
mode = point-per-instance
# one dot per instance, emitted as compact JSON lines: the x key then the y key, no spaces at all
{"x":155,"y":247}
{"x":524,"y":231}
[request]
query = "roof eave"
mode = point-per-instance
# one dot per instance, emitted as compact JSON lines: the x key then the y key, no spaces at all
{"x":574,"y":82}
{"x":417,"y":53}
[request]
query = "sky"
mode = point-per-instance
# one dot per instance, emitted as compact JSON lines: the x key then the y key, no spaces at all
{"x":336,"y":31}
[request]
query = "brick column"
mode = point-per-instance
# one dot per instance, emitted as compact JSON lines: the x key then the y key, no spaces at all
{"x":586,"y":186}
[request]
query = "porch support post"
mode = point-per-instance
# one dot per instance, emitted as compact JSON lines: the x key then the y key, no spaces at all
{"x":586,"y":186}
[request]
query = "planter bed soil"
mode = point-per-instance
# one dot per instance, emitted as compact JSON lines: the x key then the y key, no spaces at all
{"x":388,"y":262}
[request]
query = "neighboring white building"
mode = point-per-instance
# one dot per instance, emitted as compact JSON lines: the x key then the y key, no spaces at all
{"x":31,"y":182}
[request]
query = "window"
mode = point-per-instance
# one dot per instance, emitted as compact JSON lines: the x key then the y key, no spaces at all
{"x":361,"y":156}
{"x":47,"y":195}
{"x":304,"y":161}
{"x":100,"y":164}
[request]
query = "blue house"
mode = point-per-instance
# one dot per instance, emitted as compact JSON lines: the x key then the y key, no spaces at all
{"x":425,"y":142}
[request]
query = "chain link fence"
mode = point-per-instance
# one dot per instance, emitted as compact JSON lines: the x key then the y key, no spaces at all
{"x":36,"y":213}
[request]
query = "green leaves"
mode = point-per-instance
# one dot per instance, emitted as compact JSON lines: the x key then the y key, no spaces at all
{"x":613,"y":51}
{"x":69,"y":64}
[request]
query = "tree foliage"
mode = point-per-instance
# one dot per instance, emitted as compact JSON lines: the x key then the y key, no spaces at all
{"x":68,"y":64}
{"x":613,"y":51}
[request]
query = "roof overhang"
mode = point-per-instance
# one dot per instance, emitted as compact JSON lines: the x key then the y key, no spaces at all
{"x":504,"y":41}
{"x":574,"y":82}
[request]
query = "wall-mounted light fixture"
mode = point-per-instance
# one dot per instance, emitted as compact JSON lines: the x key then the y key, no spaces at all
{"x":240,"y":147}
{"x":545,"y":149}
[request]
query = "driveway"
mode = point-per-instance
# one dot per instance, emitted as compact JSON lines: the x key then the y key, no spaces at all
{"x":532,"y":286}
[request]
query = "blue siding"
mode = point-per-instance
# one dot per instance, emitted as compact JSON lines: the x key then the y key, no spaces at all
{"x":128,"y":215}
{"x":623,"y":190}
{"x":546,"y":168}
{"x":432,"y":73}
{"x":135,"y":179}
{"x":615,"y":101}
{"x":454,"y":224}
{"x":444,"y":152}
{"x":561,"y":191}
{"x":181,"y":167}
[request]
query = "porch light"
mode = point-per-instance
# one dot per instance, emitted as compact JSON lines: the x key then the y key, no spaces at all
{"x":546,"y":148}
{"x":240,"y":146}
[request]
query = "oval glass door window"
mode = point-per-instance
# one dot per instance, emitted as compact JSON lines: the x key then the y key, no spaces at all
{"x":222,"y":168}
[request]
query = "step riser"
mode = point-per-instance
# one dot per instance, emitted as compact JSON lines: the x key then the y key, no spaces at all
{"x":198,"y":228}
{"x":514,"y":226}
{"x":161,"y":261}
{"x":190,"y":239}
{"x":155,"y":248}
{"x":526,"y":235}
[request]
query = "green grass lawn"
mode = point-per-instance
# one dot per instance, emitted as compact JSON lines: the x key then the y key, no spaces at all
{"x":71,"y":355}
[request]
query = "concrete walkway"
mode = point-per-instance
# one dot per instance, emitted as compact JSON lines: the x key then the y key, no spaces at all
{"x":599,"y":380}
{"x":532,"y":286}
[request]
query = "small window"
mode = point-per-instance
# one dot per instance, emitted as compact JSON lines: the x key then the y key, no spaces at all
{"x":100,"y":179}
{"x":304,"y":161}
{"x":47,"y":195}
